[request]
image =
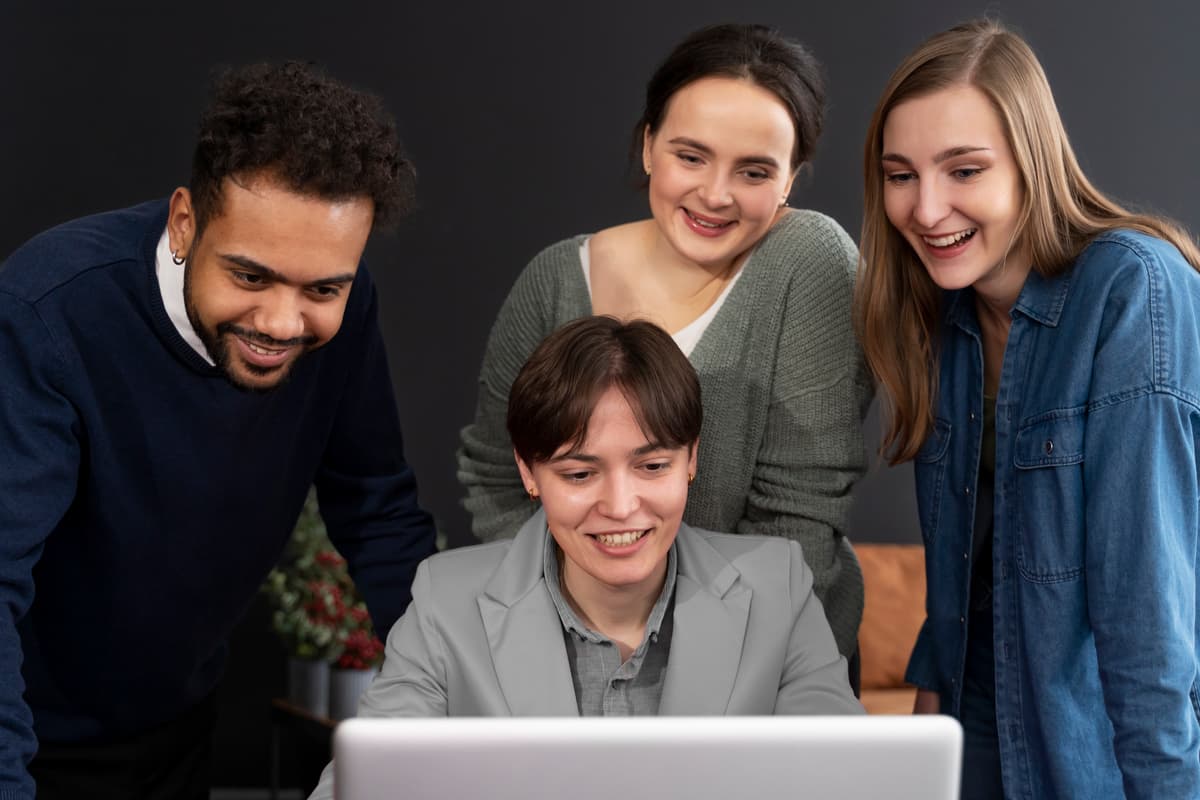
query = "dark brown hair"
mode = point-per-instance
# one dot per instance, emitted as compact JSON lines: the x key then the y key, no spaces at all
{"x":317,"y":136}
{"x":554,"y":394}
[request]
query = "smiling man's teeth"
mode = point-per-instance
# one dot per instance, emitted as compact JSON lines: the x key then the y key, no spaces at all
{"x":619,"y":539}
{"x":262,"y":351}
{"x":946,"y":241}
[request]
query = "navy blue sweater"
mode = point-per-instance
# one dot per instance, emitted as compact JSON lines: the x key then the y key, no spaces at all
{"x":145,"y":498}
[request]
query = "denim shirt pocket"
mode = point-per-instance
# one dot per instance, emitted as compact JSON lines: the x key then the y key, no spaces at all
{"x":1048,"y":456}
{"x":929,"y":471}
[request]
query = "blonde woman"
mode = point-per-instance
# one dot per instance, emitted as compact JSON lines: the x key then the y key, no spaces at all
{"x":1039,"y":350}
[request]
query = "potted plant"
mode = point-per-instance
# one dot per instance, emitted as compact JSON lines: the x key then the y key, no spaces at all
{"x":308,"y":593}
{"x":358,"y":664}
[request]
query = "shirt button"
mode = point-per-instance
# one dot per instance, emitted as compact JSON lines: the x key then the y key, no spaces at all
{"x":967,"y":490}
{"x":966,"y":556}
{"x":962,"y":620}
{"x":1048,"y":447}
{"x":972,"y":416}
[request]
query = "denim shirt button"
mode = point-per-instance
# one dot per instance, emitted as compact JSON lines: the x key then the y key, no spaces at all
{"x":966,"y":555}
{"x":962,"y":620}
{"x":1049,"y":447}
{"x":972,"y":416}
{"x":967,"y":490}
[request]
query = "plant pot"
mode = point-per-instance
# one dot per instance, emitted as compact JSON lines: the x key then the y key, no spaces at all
{"x":345,"y":685}
{"x":308,"y":685}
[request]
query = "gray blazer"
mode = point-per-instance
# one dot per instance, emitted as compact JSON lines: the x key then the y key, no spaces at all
{"x":483,"y":638}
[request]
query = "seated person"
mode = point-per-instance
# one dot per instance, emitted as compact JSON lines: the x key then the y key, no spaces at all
{"x":606,"y":603}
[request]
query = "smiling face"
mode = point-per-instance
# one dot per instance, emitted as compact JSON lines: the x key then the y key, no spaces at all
{"x":953,"y":190}
{"x":614,"y":502}
{"x":269,"y":278}
{"x":720,"y":168}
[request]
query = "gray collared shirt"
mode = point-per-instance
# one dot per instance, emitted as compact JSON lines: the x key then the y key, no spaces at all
{"x":604,"y":687}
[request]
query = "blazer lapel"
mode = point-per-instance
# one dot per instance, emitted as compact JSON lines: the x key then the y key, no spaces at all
{"x":711,"y":609}
{"x":524,"y":631}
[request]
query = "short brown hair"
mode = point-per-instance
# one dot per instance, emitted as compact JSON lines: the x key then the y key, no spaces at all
{"x":554,"y":394}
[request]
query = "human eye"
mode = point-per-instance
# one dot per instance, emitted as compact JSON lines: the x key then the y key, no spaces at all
{"x":249,"y":279}
{"x":657,"y":466}
{"x":688,"y":158}
{"x":327,"y":292}
{"x":576,"y":476}
{"x":899,"y":178}
{"x":966,"y":173}
{"x":756,"y":175}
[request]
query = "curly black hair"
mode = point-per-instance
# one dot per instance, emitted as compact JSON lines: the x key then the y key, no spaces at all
{"x":319,"y":137}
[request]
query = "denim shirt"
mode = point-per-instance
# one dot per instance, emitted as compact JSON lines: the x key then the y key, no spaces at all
{"x":1095,"y":524}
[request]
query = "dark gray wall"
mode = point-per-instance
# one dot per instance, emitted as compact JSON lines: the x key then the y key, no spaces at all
{"x":518,"y":118}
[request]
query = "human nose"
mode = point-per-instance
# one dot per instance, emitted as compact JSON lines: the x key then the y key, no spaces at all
{"x":620,"y":497}
{"x":280,"y":315}
{"x":715,"y":191}
{"x":932,"y":206}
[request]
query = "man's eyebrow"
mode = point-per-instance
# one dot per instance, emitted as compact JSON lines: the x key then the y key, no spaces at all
{"x":948,"y":153}
{"x":766,"y":161}
{"x":250,"y":265}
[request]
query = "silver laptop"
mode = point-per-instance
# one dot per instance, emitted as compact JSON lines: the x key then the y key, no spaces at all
{"x":660,"y":758}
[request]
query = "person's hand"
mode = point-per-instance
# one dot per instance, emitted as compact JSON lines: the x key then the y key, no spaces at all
{"x":927,"y":702}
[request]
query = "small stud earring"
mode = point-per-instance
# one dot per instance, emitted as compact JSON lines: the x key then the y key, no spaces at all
{"x":177,"y":259}
{"x":691,"y":477}
{"x":533,"y":495}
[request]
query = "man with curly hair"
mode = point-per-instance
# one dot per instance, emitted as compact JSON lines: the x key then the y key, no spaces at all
{"x":173,"y":378}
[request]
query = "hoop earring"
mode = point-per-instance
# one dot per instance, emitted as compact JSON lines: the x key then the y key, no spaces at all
{"x":177,"y":259}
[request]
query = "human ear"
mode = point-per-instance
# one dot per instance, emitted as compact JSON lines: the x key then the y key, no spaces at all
{"x":181,"y":223}
{"x":531,"y":487}
{"x":647,"y":141}
{"x":787,"y":187}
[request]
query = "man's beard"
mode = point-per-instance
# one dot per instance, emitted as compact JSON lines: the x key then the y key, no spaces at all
{"x":217,"y":344}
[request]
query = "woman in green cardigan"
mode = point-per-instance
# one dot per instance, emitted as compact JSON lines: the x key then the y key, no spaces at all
{"x":756,"y":294}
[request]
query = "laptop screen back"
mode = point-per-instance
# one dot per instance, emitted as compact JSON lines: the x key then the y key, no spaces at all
{"x":662,"y":758}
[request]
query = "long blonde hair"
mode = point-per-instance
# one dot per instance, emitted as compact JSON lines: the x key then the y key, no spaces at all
{"x":897,"y":306}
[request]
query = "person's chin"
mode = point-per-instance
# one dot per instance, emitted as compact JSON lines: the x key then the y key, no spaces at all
{"x":255,"y":379}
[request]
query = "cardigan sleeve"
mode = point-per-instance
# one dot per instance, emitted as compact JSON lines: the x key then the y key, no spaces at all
{"x":496,"y":498}
{"x":39,"y":462}
{"x":812,"y":452}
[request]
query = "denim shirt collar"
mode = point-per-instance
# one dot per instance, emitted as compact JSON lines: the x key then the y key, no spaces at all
{"x":1041,"y":299}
